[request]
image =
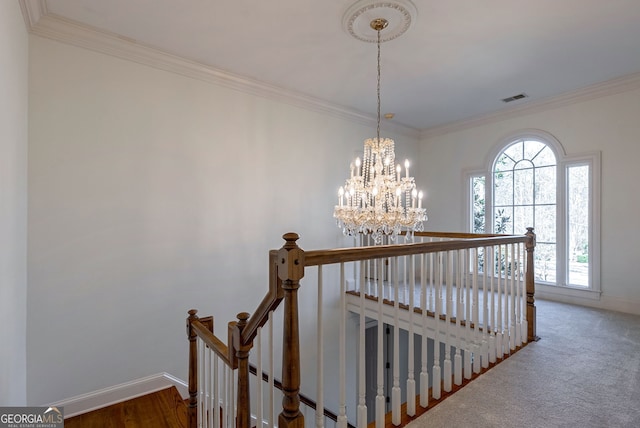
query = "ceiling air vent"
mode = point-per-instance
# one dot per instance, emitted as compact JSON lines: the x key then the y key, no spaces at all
{"x":514,"y":98}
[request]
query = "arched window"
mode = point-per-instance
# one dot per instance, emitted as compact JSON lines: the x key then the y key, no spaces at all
{"x":524,"y":195}
{"x":530,"y":182}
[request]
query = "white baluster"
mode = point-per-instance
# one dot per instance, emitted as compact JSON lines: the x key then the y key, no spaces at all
{"x":424,"y":371}
{"x":201,"y":399}
{"x":485,"y":314}
{"x":320,"y":352}
{"x":395,"y":390}
{"x":259,"y":381}
{"x":437,"y":375}
{"x":521,"y":273}
{"x":216,"y":395}
{"x":204,"y":385}
{"x":476,"y":317}
{"x":234,"y":397}
{"x":432,"y":302}
{"x":411,"y":383}
{"x":231,"y":418}
{"x":449,"y":308}
{"x":491,"y":323}
{"x":501,"y":303}
{"x":224,"y":396}
{"x":362,"y":385}
{"x":512,"y":330}
{"x":342,"y":412}
{"x":507,"y":313}
{"x":515,"y":272}
{"x":457,"y":359}
{"x":209,"y":387}
{"x":270,"y":377}
{"x":380,"y":399}
{"x":470,"y":258}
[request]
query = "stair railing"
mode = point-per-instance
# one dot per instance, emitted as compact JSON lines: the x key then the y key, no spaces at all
{"x":287,"y":268}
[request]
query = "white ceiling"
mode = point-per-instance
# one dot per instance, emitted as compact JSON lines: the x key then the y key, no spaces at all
{"x":457,"y":60}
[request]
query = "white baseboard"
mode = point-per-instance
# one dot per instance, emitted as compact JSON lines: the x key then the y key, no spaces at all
{"x":590,"y":299}
{"x":619,"y":304}
{"x":118,"y":393}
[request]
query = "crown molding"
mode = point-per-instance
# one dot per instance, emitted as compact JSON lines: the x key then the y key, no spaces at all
{"x":598,"y":90}
{"x":32,"y":11}
{"x":63,"y":30}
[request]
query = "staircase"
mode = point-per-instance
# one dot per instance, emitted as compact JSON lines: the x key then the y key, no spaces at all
{"x":160,"y":409}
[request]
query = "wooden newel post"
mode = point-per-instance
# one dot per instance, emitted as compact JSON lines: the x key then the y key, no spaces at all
{"x":192,"y":410}
{"x":290,"y":271}
{"x":241,"y":353}
{"x":531,"y":286}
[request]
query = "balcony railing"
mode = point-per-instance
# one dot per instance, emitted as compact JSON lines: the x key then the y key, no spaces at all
{"x":456,"y":304}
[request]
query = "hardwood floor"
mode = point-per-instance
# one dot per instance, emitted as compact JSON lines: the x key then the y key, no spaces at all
{"x":162,"y":409}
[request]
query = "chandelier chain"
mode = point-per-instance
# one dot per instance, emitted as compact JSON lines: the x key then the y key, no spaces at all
{"x":378,"y":92}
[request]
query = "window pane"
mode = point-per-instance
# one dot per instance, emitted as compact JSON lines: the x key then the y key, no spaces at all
{"x":545,"y":226}
{"x":514,"y":151}
{"x":545,"y":179}
{"x":578,"y":227}
{"x":523,"y":186}
{"x":545,"y":158}
{"x":545,"y":262}
{"x":532,"y":148}
{"x":523,"y":164}
{"x":477,"y":201}
{"x":503,"y":220}
{"x":503,"y":188}
{"x":504,"y":163}
{"x":522,"y":218}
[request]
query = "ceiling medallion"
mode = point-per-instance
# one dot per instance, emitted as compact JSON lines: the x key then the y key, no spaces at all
{"x":399,"y":13}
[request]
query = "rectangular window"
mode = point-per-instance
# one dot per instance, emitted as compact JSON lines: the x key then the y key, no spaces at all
{"x":478,"y":204}
{"x":578,"y":220}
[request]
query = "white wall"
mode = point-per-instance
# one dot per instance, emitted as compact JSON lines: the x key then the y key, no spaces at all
{"x":152,"y":193}
{"x":607,"y":124}
{"x":13,"y":203}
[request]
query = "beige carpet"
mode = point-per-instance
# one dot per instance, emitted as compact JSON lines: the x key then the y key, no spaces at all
{"x":584,"y":372}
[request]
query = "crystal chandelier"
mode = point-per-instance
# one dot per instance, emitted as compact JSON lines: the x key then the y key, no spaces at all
{"x":378,"y":199}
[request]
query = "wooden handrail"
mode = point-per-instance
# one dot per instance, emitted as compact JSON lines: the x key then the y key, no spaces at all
{"x":269,"y":303}
{"x":215,"y":344}
{"x":343,"y":255}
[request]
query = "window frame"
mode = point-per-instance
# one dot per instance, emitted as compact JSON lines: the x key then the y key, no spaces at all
{"x":563,"y":163}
